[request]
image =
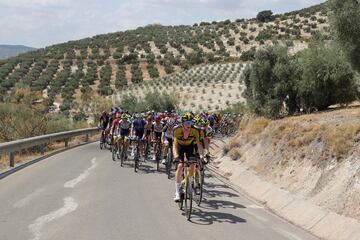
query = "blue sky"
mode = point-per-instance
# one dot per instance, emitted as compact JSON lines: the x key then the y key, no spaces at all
{"x":39,"y":23}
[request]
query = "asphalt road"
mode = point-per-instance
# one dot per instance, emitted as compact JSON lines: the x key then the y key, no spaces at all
{"x":82,"y":194}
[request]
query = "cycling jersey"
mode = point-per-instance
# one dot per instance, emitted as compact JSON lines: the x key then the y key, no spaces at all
{"x":124,"y":127}
{"x":115,"y":124}
{"x":139,"y":127}
{"x":104,"y":121}
{"x":168,"y":133}
{"x":192,"y":139}
{"x":158,"y":130}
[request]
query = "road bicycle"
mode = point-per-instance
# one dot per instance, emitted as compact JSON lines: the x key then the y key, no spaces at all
{"x":186,"y":189}
{"x":158,"y":154}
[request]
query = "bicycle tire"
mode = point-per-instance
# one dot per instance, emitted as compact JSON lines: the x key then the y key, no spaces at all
{"x":199,"y":184}
{"x":169,"y":163}
{"x":101,"y":145}
{"x":158,"y":156}
{"x":136,"y":158}
{"x":181,"y":201}
{"x":122,"y":156}
{"x":114,"y":152}
{"x":189,"y":201}
{"x":186,"y":199}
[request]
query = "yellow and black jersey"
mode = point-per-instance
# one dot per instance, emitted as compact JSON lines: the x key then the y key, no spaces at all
{"x":193,"y":138}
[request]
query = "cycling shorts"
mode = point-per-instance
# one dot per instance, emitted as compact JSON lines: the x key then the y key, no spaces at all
{"x":139,"y":134}
{"x":169,"y":141}
{"x":124,"y":132}
{"x":158,"y":135}
{"x":186,"y":151}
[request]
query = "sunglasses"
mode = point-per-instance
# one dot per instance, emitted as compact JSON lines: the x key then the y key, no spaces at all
{"x":188,"y":123}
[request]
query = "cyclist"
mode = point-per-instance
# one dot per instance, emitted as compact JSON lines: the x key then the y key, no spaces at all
{"x":124,"y":130}
{"x":186,"y":144}
{"x":168,"y":137}
{"x":114,"y":126}
{"x":139,"y":130}
{"x":157,"y":128}
{"x":103,"y":123}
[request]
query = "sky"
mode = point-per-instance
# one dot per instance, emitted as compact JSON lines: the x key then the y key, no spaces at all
{"x":40,"y":23}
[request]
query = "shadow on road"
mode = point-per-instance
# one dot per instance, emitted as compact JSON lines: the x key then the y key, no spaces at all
{"x":208,"y":218}
{"x":218,"y":204}
{"x":219,"y":193}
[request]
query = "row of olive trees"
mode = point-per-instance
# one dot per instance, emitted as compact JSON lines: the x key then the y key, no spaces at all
{"x":152,"y":101}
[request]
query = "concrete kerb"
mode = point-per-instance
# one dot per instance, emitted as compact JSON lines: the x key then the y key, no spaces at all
{"x":312,"y":218}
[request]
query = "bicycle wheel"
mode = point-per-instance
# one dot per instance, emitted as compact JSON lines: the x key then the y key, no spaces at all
{"x":136,"y":158}
{"x":198,"y":186}
{"x":169,"y":163}
{"x":188,"y":200}
{"x":119,"y":150}
{"x":181,"y":201}
{"x":146,"y":149}
{"x":114,"y":151}
{"x":101,"y":144}
{"x":158,"y":156}
{"x":122,"y":156}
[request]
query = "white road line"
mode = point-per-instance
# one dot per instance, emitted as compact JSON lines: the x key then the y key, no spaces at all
{"x":35,"y":228}
{"x":26,"y":200}
{"x":84,"y":175}
{"x":254,"y":207}
{"x":287,"y":234}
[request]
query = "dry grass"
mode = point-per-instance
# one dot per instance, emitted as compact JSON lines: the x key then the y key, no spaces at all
{"x":234,"y":143}
{"x":235,"y":154}
{"x":257,"y":126}
{"x":341,"y":139}
{"x":302,"y":136}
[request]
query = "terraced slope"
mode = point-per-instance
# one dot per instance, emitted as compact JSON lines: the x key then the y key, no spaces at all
{"x":210,"y":87}
{"x":79,"y":70}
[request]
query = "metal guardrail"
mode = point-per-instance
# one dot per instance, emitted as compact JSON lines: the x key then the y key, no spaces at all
{"x":14,"y":146}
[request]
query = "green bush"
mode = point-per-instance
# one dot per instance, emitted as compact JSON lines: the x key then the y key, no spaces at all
{"x":345,"y":23}
{"x":327,"y":78}
{"x":265,"y":16}
{"x":270,"y":80}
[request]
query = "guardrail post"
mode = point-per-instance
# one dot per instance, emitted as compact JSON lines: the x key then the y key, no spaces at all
{"x":42,"y":149}
{"x":87,"y":138}
{"x":12,"y":159}
{"x":66,"y":142}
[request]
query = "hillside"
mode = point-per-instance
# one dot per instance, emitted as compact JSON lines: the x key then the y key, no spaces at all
{"x":7,"y":51}
{"x":314,"y":157}
{"x":103,"y":64}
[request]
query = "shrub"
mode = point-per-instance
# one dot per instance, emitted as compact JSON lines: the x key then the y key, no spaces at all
{"x":345,"y":22}
{"x":326,"y":77}
{"x":270,"y":80}
{"x":235,"y":154}
{"x":265,"y":16}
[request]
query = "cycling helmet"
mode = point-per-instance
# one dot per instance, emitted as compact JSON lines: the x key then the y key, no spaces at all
{"x":124,"y":117}
{"x":158,"y":118}
{"x":137,"y":115}
{"x":197,"y":120}
{"x":170,"y":122}
{"x":205,"y":122}
{"x":104,"y":113}
{"x":187,"y":117}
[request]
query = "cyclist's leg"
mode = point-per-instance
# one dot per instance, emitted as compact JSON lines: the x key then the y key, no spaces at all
{"x":191,"y":156}
{"x":179,"y":169}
